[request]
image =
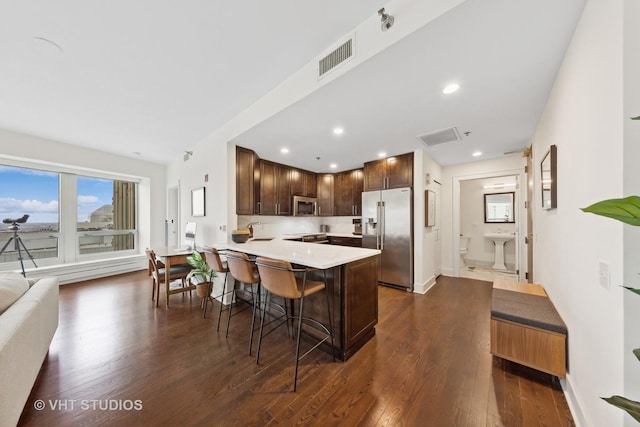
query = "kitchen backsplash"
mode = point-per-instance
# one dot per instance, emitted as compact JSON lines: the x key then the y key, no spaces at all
{"x":271,"y":226}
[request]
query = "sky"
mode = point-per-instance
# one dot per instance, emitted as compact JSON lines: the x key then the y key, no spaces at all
{"x":35,"y":192}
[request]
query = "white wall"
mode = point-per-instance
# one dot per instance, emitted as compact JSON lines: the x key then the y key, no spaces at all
{"x":451,"y":178}
{"x":583,"y":117}
{"x":427,"y":240}
{"x":151,"y":195}
{"x":631,"y":186}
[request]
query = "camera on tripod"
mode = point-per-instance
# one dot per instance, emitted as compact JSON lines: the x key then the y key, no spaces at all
{"x":15,"y":222}
{"x":19,"y":245}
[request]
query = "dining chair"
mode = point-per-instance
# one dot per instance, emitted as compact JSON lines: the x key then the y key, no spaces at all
{"x":279,"y":278}
{"x":244,"y":274}
{"x":158,"y":272}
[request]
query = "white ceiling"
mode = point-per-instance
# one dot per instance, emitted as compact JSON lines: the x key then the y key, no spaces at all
{"x":155,"y":77}
{"x":150,"y":76}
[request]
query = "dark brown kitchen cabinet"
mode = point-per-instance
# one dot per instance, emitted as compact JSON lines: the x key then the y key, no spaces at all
{"x":275,"y":191}
{"x":325,"y":194}
{"x":247,"y":181}
{"x":348,"y":192}
{"x":310,"y":184}
{"x":303,"y":183}
{"x":392,"y":172}
{"x":355,"y":242}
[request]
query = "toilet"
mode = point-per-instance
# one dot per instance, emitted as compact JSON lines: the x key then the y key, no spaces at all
{"x":464,"y":248}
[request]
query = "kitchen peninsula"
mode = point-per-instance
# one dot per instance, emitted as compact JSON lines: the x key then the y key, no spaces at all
{"x":352,"y":282}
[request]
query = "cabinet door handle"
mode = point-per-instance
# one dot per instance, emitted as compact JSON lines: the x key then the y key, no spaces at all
{"x":259,"y":207}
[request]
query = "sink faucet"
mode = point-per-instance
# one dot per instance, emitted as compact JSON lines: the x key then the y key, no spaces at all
{"x":250,"y":227}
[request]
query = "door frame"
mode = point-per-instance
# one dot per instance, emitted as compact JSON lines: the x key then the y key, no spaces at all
{"x":172,"y":220}
{"x":521,"y":222}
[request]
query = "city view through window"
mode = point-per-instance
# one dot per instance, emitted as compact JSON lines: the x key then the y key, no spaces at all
{"x":104,"y":213}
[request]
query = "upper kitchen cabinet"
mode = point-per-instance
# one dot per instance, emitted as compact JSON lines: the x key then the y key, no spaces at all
{"x":392,"y":172}
{"x":303,"y":183}
{"x":247,"y":181}
{"x":275,"y":191}
{"x":325,"y":194}
{"x":348,"y":192}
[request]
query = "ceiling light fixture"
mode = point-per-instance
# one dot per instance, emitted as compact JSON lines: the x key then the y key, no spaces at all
{"x":333,"y":165}
{"x":284,"y":150}
{"x":451,"y":88}
{"x":498,"y":185}
{"x":386,"y":20}
{"x":477,"y":154}
{"x":382,"y":154}
{"x":338,"y":131}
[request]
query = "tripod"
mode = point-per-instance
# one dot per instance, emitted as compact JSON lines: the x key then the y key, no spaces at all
{"x":17,"y":244}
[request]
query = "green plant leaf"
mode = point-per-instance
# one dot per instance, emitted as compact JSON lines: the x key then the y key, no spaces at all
{"x":634,"y":290}
{"x":635,"y":118}
{"x":626,"y":210}
{"x":631,"y":406}
{"x":636,"y":351}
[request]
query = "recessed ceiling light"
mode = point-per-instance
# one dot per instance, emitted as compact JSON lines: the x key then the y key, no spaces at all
{"x":333,"y":165}
{"x":477,"y":154}
{"x":450,"y":88}
{"x":284,"y":150}
{"x":338,"y":131}
{"x":382,"y":154}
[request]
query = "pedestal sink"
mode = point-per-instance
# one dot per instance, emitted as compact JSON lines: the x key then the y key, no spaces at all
{"x":499,"y":239}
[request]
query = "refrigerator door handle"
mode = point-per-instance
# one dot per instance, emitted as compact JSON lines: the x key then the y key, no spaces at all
{"x":378,"y":208}
{"x":381,"y":220}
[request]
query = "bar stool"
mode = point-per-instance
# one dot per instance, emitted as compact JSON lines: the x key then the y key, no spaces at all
{"x":278,"y":278}
{"x":217,"y":265}
{"x":243,"y":272}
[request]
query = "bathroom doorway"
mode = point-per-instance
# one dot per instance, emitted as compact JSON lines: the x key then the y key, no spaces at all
{"x":489,"y":221}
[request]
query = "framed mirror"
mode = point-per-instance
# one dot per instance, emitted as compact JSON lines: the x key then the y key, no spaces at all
{"x":498,"y":207}
{"x":549,"y":179}
{"x":197,"y":202}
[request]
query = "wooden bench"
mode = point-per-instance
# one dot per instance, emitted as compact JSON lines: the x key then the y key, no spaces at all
{"x":526,"y":328}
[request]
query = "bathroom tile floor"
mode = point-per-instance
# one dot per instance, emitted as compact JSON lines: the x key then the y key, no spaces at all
{"x":487,"y":274}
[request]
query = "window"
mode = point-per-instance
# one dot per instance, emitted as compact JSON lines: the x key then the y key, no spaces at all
{"x":106,"y":215}
{"x":35,"y":193}
{"x":103,"y":211}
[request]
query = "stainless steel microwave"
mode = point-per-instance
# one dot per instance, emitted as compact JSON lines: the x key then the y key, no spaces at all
{"x":305,"y":206}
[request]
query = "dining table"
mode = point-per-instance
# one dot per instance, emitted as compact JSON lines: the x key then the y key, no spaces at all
{"x":172,"y":256}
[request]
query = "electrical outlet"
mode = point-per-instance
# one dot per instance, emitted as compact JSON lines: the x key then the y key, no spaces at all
{"x":604,"y":274}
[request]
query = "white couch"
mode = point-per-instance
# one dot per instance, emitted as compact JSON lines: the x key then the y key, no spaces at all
{"x":27,"y":327}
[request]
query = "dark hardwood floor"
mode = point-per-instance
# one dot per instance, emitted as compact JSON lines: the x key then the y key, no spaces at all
{"x":428,"y":365}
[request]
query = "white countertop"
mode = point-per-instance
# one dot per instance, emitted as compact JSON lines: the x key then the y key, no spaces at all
{"x":308,"y":254}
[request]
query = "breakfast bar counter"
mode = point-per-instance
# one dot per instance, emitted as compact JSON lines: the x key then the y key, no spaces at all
{"x":352,"y":282}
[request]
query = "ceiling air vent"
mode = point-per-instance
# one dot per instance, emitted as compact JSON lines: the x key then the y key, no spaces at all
{"x":336,"y":57}
{"x":440,"y":137}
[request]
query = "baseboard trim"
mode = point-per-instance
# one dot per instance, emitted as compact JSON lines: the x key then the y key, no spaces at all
{"x":424,"y":287}
{"x":573,"y":402}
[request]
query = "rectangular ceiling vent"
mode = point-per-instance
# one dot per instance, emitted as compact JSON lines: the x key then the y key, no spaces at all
{"x":440,"y":137}
{"x":336,"y":57}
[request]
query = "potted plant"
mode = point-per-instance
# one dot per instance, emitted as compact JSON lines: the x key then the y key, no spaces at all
{"x":626,"y":210}
{"x":202,"y":272}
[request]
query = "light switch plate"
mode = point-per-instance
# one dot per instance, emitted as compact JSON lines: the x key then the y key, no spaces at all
{"x":604,"y":274}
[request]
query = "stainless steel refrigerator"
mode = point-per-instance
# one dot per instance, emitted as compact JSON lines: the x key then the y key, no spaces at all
{"x":387,"y":224}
